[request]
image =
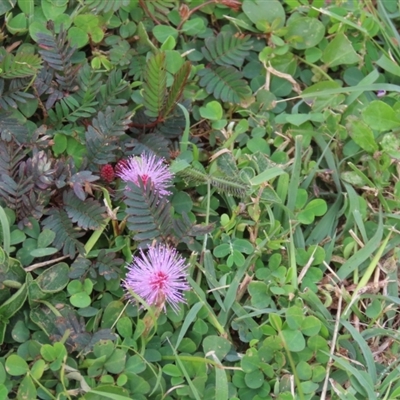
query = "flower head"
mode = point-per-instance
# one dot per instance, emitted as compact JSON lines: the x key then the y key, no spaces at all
{"x":147,"y":167}
{"x":107,"y":173}
{"x":158,"y":276}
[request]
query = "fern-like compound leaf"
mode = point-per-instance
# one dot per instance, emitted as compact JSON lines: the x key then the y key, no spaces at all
{"x":149,"y":216}
{"x":10,"y":128}
{"x":19,"y":66}
{"x":177,"y":87}
{"x":88,"y":214}
{"x":104,"y":6}
{"x":224,"y":83}
{"x":67,"y":237}
{"x":154,"y":88}
{"x":229,"y":184}
{"x":227,"y":49}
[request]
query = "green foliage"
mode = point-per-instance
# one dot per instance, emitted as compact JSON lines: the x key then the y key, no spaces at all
{"x":280,"y":123}
{"x":224,"y":83}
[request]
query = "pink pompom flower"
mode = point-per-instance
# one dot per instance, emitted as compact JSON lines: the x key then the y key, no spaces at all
{"x":158,"y":276}
{"x":147,"y":166}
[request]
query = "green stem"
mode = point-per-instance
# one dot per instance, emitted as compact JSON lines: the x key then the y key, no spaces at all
{"x":319,"y":69}
{"x":293,"y":367}
{"x":42,"y":387}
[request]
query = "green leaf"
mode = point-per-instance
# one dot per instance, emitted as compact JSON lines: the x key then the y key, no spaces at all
{"x":21,"y":65}
{"x":339,"y":51}
{"x":88,"y":214}
{"x":80,"y":300}
{"x":116,"y":363}
{"x":304,"y":32}
{"x":27,"y":389}
{"x":254,"y":379}
{"x":227,"y":49}
{"x":310,"y":326}
{"x":380,"y":116}
{"x":212,"y":111}
{"x":177,"y":88}
{"x":224,"y":83}
{"x":162,"y":32}
{"x":16,"y":365}
{"x":54,"y":279}
{"x":276,"y":321}
{"x":294,"y":317}
{"x":219,"y":345}
{"x":315,"y":208}
{"x":194,"y":26}
{"x":155,"y":84}
{"x":294,"y":340}
{"x":13,"y":303}
{"x":361,"y":134}
{"x":48,"y":251}
{"x":259,"y":10}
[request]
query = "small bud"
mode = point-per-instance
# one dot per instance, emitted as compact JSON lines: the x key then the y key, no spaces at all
{"x":184,"y":12}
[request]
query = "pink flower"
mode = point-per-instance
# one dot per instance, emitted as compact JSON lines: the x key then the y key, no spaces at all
{"x":158,"y":277}
{"x":147,"y":167}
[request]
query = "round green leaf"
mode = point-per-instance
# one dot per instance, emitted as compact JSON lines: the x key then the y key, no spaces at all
{"x":45,"y":238}
{"x":16,"y":365}
{"x":212,"y":110}
{"x":294,"y":317}
{"x":52,"y":10}
{"x":38,"y":369}
{"x":242,"y":245}
{"x":310,"y":326}
{"x":270,"y":11}
{"x":54,"y":279}
{"x":362,"y":134}
{"x":27,"y":389}
{"x":161,"y":32}
{"x":304,"y":32}
{"x":218,"y":345}
{"x":116,"y":363}
{"x":135,"y":365}
{"x":78,"y":37}
{"x":222,"y":250}
{"x":80,"y":300}
{"x":380,"y":116}
{"x":276,"y":321}
{"x":260,"y":298}
{"x":315,"y":208}
{"x":18,"y":24}
{"x":124,"y":327}
{"x":182,"y":202}
{"x":304,"y":370}
{"x":254,"y":379}
{"x":74,"y":287}
{"x":251,"y":361}
{"x":48,"y":352}
{"x":20,"y":333}
{"x":171,"y":370}
{"x":29,"y":107}
{"x":294,"y":340}
{"x":194,"y":26}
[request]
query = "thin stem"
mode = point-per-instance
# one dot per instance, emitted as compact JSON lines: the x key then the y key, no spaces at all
{"x":319,"y":69}
{"x":333,"y":344}
{"x":44,"y":263}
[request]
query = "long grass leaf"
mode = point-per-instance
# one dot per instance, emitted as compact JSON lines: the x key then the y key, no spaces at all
{"x":5,"y":227}
{"x":368,"y":356}
{"x":363,"y":254}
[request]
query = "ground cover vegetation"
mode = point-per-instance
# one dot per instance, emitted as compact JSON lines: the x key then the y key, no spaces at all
{"x":199,"y":199}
